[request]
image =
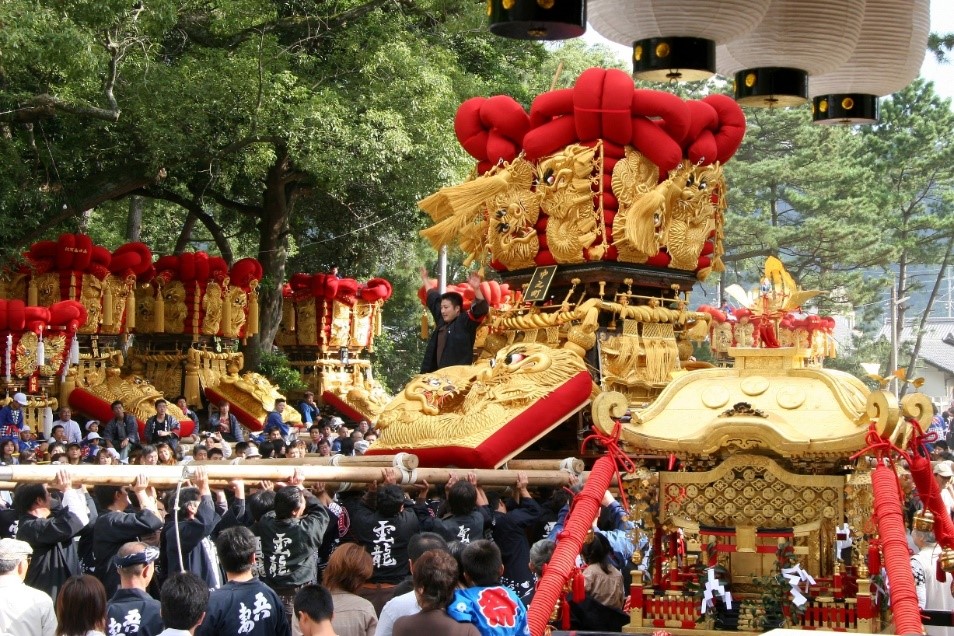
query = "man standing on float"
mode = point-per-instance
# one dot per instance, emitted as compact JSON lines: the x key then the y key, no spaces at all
{"x":452,"y":342}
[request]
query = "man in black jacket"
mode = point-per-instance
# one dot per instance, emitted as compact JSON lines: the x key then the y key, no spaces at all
{"x":131,"y":610}
{"x":115,"y":526}
{"x":291,"y":535}
{"x":508,"y":528}
{"x":452,"y":341}
{"x":244,"y":605}
{"x":380,"y":523}
{"x":49,"y":526}
{"x":191,"y":548}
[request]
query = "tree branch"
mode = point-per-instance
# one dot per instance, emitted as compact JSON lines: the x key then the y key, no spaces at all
{"x":196,"y":210}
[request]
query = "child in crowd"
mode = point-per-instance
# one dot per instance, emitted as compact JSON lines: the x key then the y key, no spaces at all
{"x":494,"y":609}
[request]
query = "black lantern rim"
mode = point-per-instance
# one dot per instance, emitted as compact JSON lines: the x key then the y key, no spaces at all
{"x":771,"y":87}
{"x":674,"y":59}
{"x":537,"y":19}
{"x":845,"y":108}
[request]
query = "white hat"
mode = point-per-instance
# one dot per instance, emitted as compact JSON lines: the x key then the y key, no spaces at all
{"x":361,"y":446}
{"x":20,"y":399}
{"x":943,"y":469}
{"x":94,"y":436}
{"x":252,"y":451}
{"x":12,"y":548}
{"x":89,"y":423}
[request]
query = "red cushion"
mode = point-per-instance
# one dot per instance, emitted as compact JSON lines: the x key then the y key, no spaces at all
{"x":528,"y":426}
{"x":344,"y":408}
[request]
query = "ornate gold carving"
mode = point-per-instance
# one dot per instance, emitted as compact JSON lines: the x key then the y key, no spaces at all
{"x":54,"y":354}
{"x":744,"y":409}
{"x":174,"y":295}
{"x":340,"y":325}
{"x":25,"y":363}
{"x":463,"y":405}
{"x":254,"y":394}
{"x":513,"y":214}
{"x":238,"y":314}
{"x":91,"y":296}
{"x":361,"y":324}
{"x":790,"y":397}
{"x":137,"y":394}
{"x":693,"y":216}
{"x":212,"y":306}
{"x":47,"y":289}
{"x":715,"y":397}
{"x":306,"y":321}
{"x":145,"y":309}
{"x":635,"y":180}
{"x":565,"y":185}
{"x":771,"y":497}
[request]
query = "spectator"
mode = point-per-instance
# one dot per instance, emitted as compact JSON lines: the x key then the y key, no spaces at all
{"x":343,"y":434}
{"x":8,"y":453}
{"x":383,"y":527}
{"x":81,"y":607}
{"x":244,"y":605}
{"x":191,"y":548}
{"x":58,"y":435}
{"x":165,"y":456}
{"x":291,"y":536}
{"x":115,"y":527}
{"x":324,"y":448}
{"x":150,"y":456}
{"x":91,"y":447}
{"x":604,"y":583}
{"x":71,"y":429}
{"x":348,"y":569}
{"x":314,"y":433}
{"x":24,"y":611}
{"x":540,"y":554}
{"x":482,"y":568}
{"x":435,"y":580}
{"x":308,"y":409}
{"x":184,"y":600}
{"x":226,"y":424}
{"x":162,"y":427}
{"x":275,"y":421}
{"x":314,"y":610}
{"x":12,"y":418}
{"x":934,"y":597}
{"x":405,"y":602}
{"x":50,"y":527}
{"x":943,"y":474}
{"x":122,"y":432}
{"x":131,"y":610}
{"x":183,"y":405}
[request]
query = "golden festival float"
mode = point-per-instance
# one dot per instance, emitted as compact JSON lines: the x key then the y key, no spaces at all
{"x":764,"y":483}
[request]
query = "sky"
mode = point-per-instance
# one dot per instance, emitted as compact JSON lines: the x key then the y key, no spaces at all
{"x":942,"y":21}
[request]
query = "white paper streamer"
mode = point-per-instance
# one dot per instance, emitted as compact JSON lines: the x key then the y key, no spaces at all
{"x":40,"y":350}
{"x":6,"y":357}
{"x":714,"y":586}
{"x":843,"y":530}
{"x":795,"y":576}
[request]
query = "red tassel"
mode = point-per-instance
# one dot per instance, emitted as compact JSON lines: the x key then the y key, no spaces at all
{"x":564,"y":614}
{"x":579,"y":587}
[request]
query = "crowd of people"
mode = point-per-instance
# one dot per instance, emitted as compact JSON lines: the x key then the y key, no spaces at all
{"x":278,"y":558}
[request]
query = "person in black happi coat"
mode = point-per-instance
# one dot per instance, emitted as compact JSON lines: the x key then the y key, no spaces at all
{"x":115,"y":526}
{"x":131,"y":610}
{"x":49,"y":526}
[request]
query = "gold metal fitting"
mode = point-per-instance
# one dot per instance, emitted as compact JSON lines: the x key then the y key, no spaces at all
{"x":924,"y":521}
{"x":947,"y":559}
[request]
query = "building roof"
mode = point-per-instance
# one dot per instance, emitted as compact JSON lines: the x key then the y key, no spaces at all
{"x":939,"y":353}
{"x":937,"y":345}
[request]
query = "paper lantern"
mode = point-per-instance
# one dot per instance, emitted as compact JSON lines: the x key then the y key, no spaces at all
{"x":888,"y":57}
{"x":537,"y":19}
{"x":674,"y":40}
{"x":797,"y":38}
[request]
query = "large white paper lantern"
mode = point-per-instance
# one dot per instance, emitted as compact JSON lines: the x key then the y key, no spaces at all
{"x":795,"y":39}
{"x":672,"y":39}
{"x":888,"y":57}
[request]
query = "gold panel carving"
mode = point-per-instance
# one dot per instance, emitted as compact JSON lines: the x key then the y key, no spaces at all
{"x":212,"y":304}
{"x":174,"y":295}
{"x":748,"y":490}
{"x":91,"y":296}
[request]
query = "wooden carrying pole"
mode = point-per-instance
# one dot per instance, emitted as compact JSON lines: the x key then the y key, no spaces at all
{"x":168,"y":476}
{"x":407,"y":461}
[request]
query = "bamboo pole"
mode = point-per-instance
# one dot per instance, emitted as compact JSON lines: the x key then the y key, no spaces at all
{"x":163,"y":476}
{"x":576,"y":465}
{"x":407,"y":461}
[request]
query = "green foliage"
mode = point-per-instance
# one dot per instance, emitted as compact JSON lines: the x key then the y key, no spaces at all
{"x":274,"y":365}
{"x":776,"y":595}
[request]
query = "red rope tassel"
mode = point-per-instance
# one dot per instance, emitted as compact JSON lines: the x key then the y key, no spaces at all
{"x":923,"y":477}
{"x":894,"y":546}
{"x":578,"y":522}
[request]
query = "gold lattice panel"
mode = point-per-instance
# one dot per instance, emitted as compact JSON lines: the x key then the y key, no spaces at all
{"x":750,"y":490}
